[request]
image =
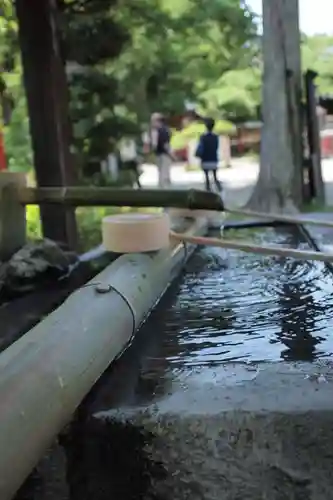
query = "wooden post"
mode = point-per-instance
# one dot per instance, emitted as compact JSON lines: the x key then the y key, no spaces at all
{"x":292,"y":40}
{"x":12,"y":214}
{"x":314,"y":137}
{"x":46,"y":89}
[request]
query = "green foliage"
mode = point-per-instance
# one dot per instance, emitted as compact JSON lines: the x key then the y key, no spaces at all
{"x":89,"y":223}
{"x":174,"y":51}
{"x":317,"y":55}
{"x":194,"y":130}
{"x":34,"y":229}
{"x":237,"y":93}
{"x":16,"y":134}
{"x":131,"y":58}
{"x":183,"y":49}
{"x":128,"y":59}
{"x":180,"y":139}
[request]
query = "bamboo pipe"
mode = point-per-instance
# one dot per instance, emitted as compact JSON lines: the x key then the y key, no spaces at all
{"x":45,"y":374}
{"x":85,"y":196}
{"x":190,"y":198}
{"x":250,"y":248}
{"x":291,"y":219}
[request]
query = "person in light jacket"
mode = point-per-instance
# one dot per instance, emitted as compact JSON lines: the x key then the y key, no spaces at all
{"x":160,"y":142}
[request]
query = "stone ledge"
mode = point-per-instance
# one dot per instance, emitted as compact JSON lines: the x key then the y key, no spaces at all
{"x":253,"y":432}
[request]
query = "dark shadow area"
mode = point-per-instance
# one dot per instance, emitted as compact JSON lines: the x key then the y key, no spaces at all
{"x":298,"y":324}
{"x":110,"y":459}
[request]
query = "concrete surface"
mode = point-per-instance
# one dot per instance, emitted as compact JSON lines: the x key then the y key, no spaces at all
{"x":250,"y":432}
{"x":238,"y":181}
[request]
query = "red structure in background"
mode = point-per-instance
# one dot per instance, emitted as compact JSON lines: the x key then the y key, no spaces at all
{"x":3,"y":161}
{"x":326,"y":142}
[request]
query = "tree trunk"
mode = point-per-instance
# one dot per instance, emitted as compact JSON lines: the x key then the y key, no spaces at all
{"x":294,"y":86}
{"x":279,"y":186}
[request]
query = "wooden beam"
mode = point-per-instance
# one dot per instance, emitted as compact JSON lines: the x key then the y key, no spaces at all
{"x":97,"y":196}
{"x":46,"y":89}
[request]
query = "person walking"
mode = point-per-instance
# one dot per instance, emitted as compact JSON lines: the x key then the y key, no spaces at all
{"x":160,"y":141}
{"x":207,"y":151}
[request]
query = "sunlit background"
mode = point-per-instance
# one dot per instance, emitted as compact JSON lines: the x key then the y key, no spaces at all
{"x":316,"y":16}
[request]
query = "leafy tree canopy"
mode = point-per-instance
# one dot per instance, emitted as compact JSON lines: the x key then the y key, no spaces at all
{"x":127,"y":58}
{"x":317,"y":55}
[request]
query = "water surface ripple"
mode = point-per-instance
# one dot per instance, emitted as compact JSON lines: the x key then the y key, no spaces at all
{"x":232,"y":306}
{"x":227,"y":306}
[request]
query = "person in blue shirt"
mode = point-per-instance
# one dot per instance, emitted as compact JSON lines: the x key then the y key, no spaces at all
{"x":207,"y":151}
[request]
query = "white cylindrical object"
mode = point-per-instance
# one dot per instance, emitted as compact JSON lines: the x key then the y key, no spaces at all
{"x":136,"y":233}
{"x":45,"y":375}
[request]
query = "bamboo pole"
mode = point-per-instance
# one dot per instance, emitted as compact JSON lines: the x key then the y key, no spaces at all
{"x":103,"y":196}
{"x":191,"y":199}
{"x":45,"y":374}
{"x":251,"y":248}
{"x":291,"y":219}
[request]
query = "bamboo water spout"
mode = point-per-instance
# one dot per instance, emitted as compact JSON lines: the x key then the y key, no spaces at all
{"x":83,"y":196}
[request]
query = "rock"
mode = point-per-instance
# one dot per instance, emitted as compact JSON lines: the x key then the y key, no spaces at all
{"x":37,"y":263}
{"x":266,"y":434}
{"x":244,"y":455}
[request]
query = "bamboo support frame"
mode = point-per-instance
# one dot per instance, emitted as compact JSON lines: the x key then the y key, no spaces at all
{"x":257,"y":249}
